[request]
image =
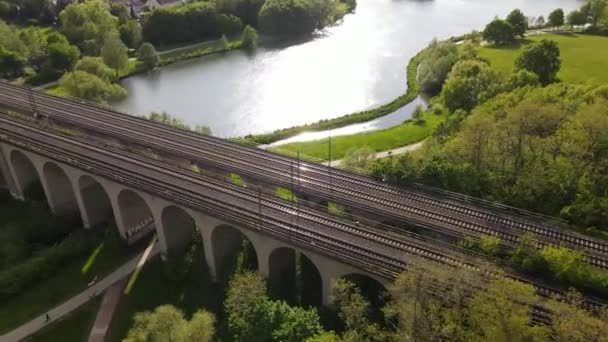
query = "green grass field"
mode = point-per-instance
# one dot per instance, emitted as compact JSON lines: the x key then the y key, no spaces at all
{"x":584,"y":57}
{"x":398,"y":136}
{"x":74,"y":277}
{"x":75,"y":327}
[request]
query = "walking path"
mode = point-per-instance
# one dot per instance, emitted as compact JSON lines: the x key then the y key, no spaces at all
{"x":73,"y":303}
{"x":111,"y":298}
{"x":385,"y":154}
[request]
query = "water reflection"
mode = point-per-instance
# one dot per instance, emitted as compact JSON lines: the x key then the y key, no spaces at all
{"x":357,"y":65}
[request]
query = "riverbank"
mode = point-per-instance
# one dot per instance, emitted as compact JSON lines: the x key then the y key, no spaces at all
{"x":408,"y":133}
{"x":166,"y":57}
{"x":357,"y":117}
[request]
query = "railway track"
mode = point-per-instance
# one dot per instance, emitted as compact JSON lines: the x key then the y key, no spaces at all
{"x":379,"y":253}
{"x":357,"y":191}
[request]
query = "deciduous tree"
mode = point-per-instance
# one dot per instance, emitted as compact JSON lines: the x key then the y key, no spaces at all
{"x":541,"y":58}
{"x":518,"y":21}
{"x":148,"y":55}
{"x":556,"y":18}
{"x":114,"y":53}
{"x":499,"y":32}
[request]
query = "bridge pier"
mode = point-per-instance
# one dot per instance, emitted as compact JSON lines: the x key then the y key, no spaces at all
{"x":7,"y":180}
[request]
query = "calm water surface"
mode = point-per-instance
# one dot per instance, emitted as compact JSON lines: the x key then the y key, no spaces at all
{"x":356,"y":65}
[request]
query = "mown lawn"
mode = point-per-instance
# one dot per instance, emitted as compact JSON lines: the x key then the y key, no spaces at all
{"x":584,"y":57}
{"x":74,"y":328}
{"x":390,"y":138}
{"x":68,"y":281}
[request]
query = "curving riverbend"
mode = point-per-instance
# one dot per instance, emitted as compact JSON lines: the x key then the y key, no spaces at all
{"x":356,"y":65}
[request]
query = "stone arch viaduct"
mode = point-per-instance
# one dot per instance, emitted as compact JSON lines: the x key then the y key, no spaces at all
{"x":74,"y":191}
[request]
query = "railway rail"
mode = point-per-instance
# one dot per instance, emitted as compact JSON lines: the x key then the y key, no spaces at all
{"x":379,"y":253}
{"x":415,"y":207}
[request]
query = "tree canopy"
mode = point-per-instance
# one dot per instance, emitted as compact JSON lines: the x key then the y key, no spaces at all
{"x":518,"y":22}
{"x":167,"y":323}
{"x":435,"y":65}
{"x":86,"y":24}
{"x":148,"y":55}
{"x":499,"y":32}
{"x":556,"y":18}
{"x":541,"y":58}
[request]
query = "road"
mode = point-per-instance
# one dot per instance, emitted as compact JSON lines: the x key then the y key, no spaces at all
{"x":73,"y":303}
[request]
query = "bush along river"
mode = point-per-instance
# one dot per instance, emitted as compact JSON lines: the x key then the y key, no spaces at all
{"x":356,"y":65}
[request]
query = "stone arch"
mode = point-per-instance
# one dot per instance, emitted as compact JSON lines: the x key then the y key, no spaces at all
{"x":373,"y":290}
{"x":3,"y":180}
{"x":137,"y":218}
{"x":28,"y":180}
{"x":62,"y":198}
{"x":96,"y":201}
{"x":294,"y":278}
{"x":227,"y":242}
{"x":178,"y":227}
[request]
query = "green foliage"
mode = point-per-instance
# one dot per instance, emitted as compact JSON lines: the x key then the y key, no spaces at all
{"x":354,"y":310}
{"x":584,"y":57}
{"x":300,"y":17}
{"x":237,"y":180}
{"x":95,"y":66}
{"x":571,"y":322}
{"x":249,"y":38}
{"x":90,"y":87}
{"x":286,"y":194}
{"x":130,"y":34}
{"x":252,"y":316}
{"x":148,"y":55}
{"x":556,"y":18}
{"x":522,"y":78}
{"x":167,"y":323}
{"x":499,"y":32}
{"x":542,"y":58}
{"x":114,"y":53}
{"x":595,"y":11}
{"x":16,"y":279}
{"x":535,"y":148}
{"x":490,"y":244}
{"x":190,"y":22}
{"x":576,"y":18}
{"x":359,"y":157}
{"x":501,"y":313}
{"x":435,"y":64}
{"x":86,"y":24}
{"x":62,"y":57}
{"x":518,"y":22}
{"x":469,"y":84}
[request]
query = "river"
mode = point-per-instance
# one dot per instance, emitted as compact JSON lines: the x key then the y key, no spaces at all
{"x":355,"y":65}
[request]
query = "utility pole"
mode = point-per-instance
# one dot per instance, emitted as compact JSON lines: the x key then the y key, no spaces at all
{"x":329,"y":161}
{"x":299,"y":185}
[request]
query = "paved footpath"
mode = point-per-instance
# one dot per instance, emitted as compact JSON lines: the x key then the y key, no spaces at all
{"x":385,"y":154}
{"x":110,"y":301}
{"x":73,"y":303}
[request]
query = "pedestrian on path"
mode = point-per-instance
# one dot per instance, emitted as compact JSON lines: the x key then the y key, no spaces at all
{"x":48,"y":318}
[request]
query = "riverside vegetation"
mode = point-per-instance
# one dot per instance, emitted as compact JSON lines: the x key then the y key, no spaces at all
{"x":513,"y":139}
{"x":94,"y":28}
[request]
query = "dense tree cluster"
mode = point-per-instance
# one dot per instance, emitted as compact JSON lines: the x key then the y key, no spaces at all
{"x":186,"y":23}
{"x":536,"y":148}
{"x":37,"y":12}
{"x":435,"y":65}
{"x":34,"y":52}
{"x":167,"y":323}
{"x":541,"y":58}
{"x":86,"y":24}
